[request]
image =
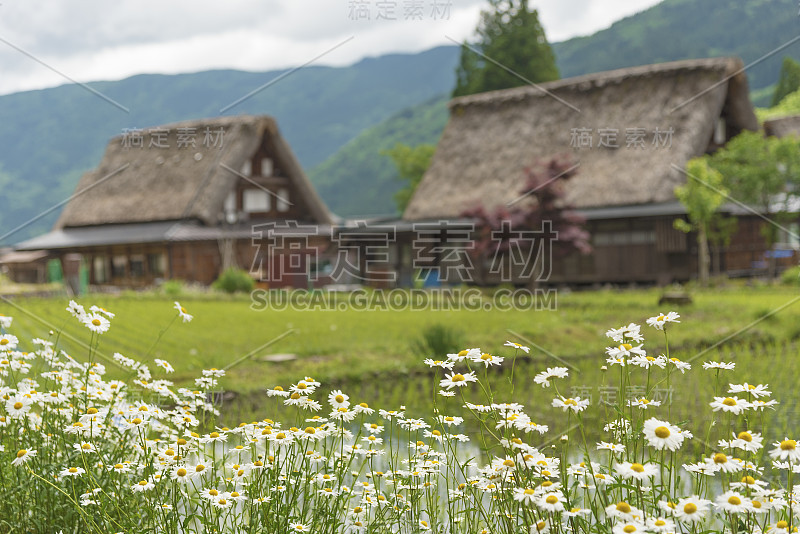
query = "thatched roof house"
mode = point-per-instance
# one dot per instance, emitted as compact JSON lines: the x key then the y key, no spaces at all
{"x":631,"y":132}
{"x":492,"y":136}
{"x":163,"y":200}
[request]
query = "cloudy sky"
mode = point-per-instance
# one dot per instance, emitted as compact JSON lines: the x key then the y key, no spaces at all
{"x":101,"y":40}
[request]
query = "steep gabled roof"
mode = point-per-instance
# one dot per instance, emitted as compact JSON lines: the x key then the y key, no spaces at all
{"x":491,"y":137}
{"x":147,"y":184}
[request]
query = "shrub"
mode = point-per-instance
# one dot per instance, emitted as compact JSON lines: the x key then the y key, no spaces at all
{"x":234,"y":280}
{"x":791,"y":276}
{"x":437,"y":339}
{"x":173,"y":288}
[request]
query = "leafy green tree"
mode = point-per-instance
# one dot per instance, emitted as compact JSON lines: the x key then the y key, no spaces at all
{"x":788,"y":82}
{"x":411,"y":163}
{"x":512,"y":38}
{"x":702,"y":196}
{"x":761,"y":172}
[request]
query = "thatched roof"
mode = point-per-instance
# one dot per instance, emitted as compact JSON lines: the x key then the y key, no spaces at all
{"x":491,"y":137}
{"x":179,"y":182}
{"x":783,"y":126}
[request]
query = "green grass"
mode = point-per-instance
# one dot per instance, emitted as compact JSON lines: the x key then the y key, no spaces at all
{"x":342,"y":346}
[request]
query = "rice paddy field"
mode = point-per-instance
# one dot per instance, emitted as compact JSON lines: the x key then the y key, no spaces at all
{"x":377,"y":356}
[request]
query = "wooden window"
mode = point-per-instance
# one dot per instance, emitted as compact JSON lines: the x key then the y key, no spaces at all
{"x":119,"y":266}
{"x":137,"y":265}
{"x":100,"y":269}
{"x":283,"y":200}
{"x":266,"y":167}
{"x":256,"y":200}
{"x":157,"y":264}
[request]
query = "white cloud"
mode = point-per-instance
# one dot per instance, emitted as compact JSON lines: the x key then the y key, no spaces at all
{"x":101,"y":40}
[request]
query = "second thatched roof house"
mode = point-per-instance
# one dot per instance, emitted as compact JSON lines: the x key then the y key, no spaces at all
{"x":630,"y":132}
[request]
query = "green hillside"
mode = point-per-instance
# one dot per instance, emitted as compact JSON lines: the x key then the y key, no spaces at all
{"x":370,"y":178}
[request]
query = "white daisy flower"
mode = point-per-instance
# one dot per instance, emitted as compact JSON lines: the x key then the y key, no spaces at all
{"x":444,"y":364}
{"x":551,"y":502}
{"x":526,"y":496}
{"x":719,"y":365}
{"x":5,"y":322}
{"x":8,"y":342}
{"x":680,"y":365}
{"x":622,"y":510}
{"x":629,"y":527}
{"x":756,"y":391}
{"x":164,"y":365}
{"x":98,"y":309}
{"x":18,"y":405}
{"x":277,"y":391}
{"x":457,"y":380}
{"x":467,"y":354}
{"x":76,"y":310}
{"x":691,"y":509}
{"x":636,"y":471}
{"x":545,"y":377}
{"x":182,"y":313}
{"x":23,"y":456}
{"x":643,"y":403}
{"x":660,"y":321}
{"x":523,"y":348}
{"x":759,"y":404}
{"x":576,"y":405}
{"x":625,"y":350}
{"x":337,"y":399}
{"x":662,"y":435}
{"x":96,"y":323}
{"x":72,"y":472}
{"x":747,"y":441}
{"x":630,"y":332}
{"x":732,"y":502}
{"x":445,"y":393}
{"x":660,"y":524}
{"x":142,"y":486}
{"x":613,"y":447}
{"x":646,"y":362}
{"x":786,"y":450}
{"x":488,"y":359}
{"x":733,"y":405}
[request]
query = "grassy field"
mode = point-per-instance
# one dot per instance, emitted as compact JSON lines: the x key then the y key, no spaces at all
{"x":370,"y":353}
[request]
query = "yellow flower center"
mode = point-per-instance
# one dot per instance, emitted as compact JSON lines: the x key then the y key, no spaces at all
{"x":689,"y":508}
{"x":339,"y":398}
{"x":639,"y":468}
{"x":729,"y":401}
{"x":17,"y":405}
{"x":234,"y":494}
{"x":745,"y":436}
{"x":720,"y":458}
{"x":734,"y":500}
{"x":301,"y":385}
{"x":748,"y":480}
{"x":570,"y":402}
{"x":628,"y":529}
{"x":457,"y":378}
{"x":626,"y":346}
{"x":529,"y":491}
{"x":181,"y":472}
{"x":280,"y":435}
{"x":551,"y":499}
{"x":295,"y":396}
{"x":214,"y":435}
{"x":4,"y":341}
{"x":142,"y":482}
{"x":91,"y":411}
{"x":660,"y":523}
{"x":97,"y":322}
{"x":788,"y":445}
{"x":200,"y":468}
{"x":509,"y":463}
{"x":73,"y":469}
{"x":486,"y":357}
{"x":782,"y":524}
{"x":137,"y":421}
{"x":540,"y":525}
{"x":183,"y":310}
{"x":756,"y":504}
{"x":624,"y":507}
{"x":213,"y":492}
{"x":662,"y":432}
{"x":223,"y":502}
{"x":86,"y":446}
{"x":310,"y":430}
{"x":118,"y":466}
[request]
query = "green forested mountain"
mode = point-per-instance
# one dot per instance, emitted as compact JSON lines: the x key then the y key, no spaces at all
{"x":338,"y":119}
